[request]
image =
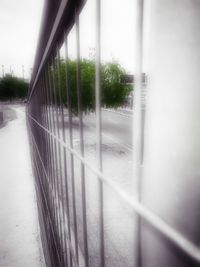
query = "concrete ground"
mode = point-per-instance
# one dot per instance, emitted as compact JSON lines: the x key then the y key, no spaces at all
{"x":20,"y":244}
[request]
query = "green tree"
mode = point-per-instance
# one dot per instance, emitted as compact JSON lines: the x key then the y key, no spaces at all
{"x":114,"y":93}
{"x":12,"y":88}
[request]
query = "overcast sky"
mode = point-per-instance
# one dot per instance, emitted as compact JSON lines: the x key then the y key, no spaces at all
{"x":20,"y":24}
{"x":118,"y":32}
{"x":19,"y":29}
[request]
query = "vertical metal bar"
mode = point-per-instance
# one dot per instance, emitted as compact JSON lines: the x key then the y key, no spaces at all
{"x":52,"y":162}
{"x":49,"y":143}
{"x":65,"y":184}
{"x":137,"y":118}
{"x":45,"y":205}
{"x":64,"y":175}
{"x":98,"y":123}
{"x":45,"y":137}
{"x":46,"y":157}
{"x":54,"y":150}
{"x":81,"y":138}
{"x":46,"y":179}
{"x":41,"y":198}
{"x":50,"y":147}
{"x":56,"y":185}
{"x":60,"y":173}
{"x":53,"y":156}
{"x":71,"y":146}
{"x":56,"y":168}
{"x":43,"y":179}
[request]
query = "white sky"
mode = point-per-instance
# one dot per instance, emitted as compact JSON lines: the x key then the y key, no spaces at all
{"x":20,"y":24}
{"x":19,"y":29}
{"x":118,"y":32}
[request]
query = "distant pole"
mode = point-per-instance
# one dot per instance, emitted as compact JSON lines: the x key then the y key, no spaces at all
{"x":23,"y":72}
{"x":10,"y":71}
{"x":2,"y":70}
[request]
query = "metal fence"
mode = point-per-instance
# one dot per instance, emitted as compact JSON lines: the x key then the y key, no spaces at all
{"x":73,"y":232}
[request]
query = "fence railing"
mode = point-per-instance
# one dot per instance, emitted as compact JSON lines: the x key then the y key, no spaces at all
{"x":75,"y":222}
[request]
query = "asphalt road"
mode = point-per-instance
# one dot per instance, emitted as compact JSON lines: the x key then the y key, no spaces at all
{"x":116,"y":126}
{"x":116,"y":130}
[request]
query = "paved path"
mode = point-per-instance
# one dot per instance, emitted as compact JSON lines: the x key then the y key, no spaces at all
{"x":20,"y":244}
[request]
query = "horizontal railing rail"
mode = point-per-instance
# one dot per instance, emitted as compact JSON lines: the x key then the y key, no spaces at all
{"x":177,"y":238}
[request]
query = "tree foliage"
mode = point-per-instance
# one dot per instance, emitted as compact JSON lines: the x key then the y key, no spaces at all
{"x":113,"y":93}
{"x":12,"y":88}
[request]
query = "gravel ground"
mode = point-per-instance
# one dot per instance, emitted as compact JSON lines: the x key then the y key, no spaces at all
{"x":20,"y":244}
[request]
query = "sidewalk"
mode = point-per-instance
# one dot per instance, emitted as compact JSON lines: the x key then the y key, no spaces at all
{"x":20,"y":244}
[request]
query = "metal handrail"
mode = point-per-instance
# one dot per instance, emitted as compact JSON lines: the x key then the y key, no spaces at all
{"x":64,"y":20}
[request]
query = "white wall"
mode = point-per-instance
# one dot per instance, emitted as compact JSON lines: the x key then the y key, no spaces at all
{"x":171,"y":176}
